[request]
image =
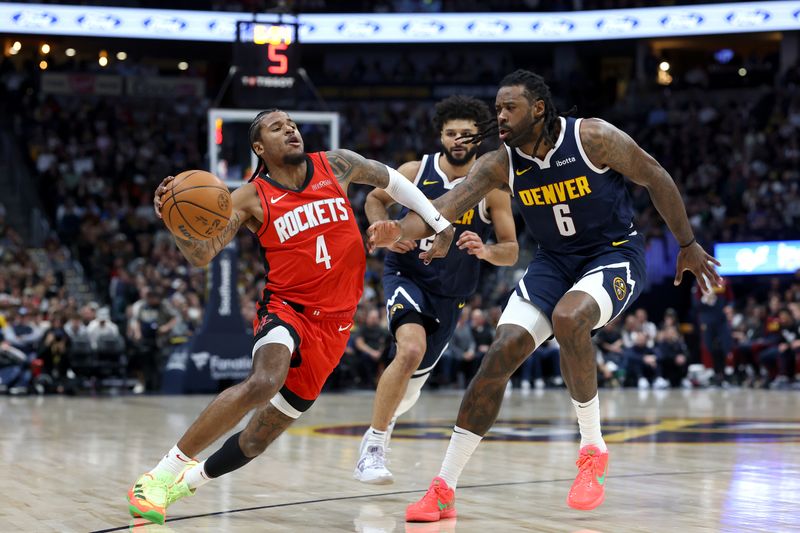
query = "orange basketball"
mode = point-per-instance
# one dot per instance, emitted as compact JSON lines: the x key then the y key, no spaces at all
{"x":197,"y":205}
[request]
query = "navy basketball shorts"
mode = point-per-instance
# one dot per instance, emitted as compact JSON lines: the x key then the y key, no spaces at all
{"x":614,"y":278}
{"x":439,"y":315}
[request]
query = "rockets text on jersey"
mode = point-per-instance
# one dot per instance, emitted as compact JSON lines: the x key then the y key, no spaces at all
{"x":312,"y":247}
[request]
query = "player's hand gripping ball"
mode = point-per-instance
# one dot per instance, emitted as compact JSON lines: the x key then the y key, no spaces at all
{"x":195,"y":204}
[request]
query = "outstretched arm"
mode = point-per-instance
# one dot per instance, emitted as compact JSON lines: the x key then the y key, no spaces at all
{"x":489,"y":172}
{"x":349,"y":166}
{"x":378,"y":200}
{"x":607,"y":145}
{"x":200,"y":253}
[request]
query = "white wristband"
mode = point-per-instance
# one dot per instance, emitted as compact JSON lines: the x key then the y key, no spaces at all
{"x":404,"y":192}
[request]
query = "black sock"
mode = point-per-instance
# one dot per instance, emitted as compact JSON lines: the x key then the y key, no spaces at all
{"x":227,"y":459}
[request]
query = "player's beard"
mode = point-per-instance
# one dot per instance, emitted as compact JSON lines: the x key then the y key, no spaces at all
{"x":294,"y":159}
{"x":527,"y":133}
{"x":460,"y":161}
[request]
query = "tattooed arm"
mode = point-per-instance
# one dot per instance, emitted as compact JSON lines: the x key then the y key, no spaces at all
{"x":200,"y":253}
{"x":349,"y":166}
{"x":606,"y":145}
{"x":489,"y":172}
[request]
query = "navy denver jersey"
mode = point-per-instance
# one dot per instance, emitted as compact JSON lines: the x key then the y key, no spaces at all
{"x":456,"y":274}
{"x":569,"y":205}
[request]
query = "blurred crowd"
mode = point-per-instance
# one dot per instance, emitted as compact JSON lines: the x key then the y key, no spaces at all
{"x":96,"y":162}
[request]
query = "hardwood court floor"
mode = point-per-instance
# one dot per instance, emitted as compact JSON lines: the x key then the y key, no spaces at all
{"x":706,"y":460}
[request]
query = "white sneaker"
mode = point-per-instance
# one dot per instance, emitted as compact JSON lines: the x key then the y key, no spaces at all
{"x":371,"y":467}
{"x":661,"y":383}
{"x":539,"y":384}
{"x":643,"y":384}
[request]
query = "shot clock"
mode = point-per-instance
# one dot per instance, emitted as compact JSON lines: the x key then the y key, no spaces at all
{"x":266,"y":56}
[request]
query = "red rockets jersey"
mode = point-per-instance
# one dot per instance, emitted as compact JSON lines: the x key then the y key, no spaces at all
{"x":313,"y":250}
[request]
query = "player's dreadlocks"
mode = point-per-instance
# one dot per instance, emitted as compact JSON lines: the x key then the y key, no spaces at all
{"x":535,"y":89}
{"x":253,"y":133}
{"x":460,"y":107}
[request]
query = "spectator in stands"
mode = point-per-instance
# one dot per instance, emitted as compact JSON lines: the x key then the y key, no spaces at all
{"x":54,"y":351}
{"x":483,"y":334}
{"x":673,"y":357}
{"x":611,"y":362}
{"x":102,"y":327}
{"x":780,"y":358}
{"x":645,"y":326}
{"x":151,"y":320}
{"x":461,"y":348}
{"x":74,"y":327}
{"x":641,"y":361}
{"x":14,"y":373}
{"x":715,"y":330}
{"x":532,"y":369}
{"x":371,"y":341}
{"x":23,"y":331}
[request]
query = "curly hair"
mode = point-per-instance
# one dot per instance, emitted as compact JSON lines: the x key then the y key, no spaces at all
{"x":460,"y":107}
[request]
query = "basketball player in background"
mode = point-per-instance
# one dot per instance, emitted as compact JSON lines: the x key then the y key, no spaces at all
{"x":566,"y":177}
{"x":423,"y":302}
{"x":313,"y":256}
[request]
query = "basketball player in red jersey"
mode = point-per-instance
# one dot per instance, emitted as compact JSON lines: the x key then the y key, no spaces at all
{"x":314,"y":259}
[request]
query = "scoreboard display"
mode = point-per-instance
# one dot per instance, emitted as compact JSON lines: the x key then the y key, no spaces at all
{"x":267,"y":57}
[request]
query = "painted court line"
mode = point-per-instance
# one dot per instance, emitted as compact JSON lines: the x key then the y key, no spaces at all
{"x":399,"y":492}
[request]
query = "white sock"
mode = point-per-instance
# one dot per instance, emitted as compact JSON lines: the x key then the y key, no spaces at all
{"x":462,"y":445}
{"x":172,"y":463}
{"x":589,"y":422}
{"x":389,"y":432}
{"x":196,"y":476}
{"x":375,"y":437}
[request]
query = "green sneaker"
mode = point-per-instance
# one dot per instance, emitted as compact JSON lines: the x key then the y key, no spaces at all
{"x":180,"y":489}
{"x":148,"y":497}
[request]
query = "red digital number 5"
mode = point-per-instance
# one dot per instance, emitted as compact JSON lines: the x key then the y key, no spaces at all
{"x":275,"y":56}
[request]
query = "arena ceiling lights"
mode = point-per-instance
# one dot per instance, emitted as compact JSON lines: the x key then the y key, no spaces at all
{"x":88,"y":21}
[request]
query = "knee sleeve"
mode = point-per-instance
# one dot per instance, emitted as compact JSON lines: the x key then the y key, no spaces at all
{"x":412,"y":394}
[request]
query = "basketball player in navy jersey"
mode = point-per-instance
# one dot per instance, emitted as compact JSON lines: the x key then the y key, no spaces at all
{"x":566,"y":177}
{"x":423,"y":302}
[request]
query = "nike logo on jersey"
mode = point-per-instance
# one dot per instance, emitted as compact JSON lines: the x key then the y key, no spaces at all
{"x":276,"y":200}
{"x":426,"y":182}
{"x":310,"y":215}
{"x":521,"y":172}
{"x":618,"y":243}
{"x":461,"y":305}
{"x":345,"y":328}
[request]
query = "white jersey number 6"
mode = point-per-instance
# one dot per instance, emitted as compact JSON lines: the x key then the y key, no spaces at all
{"x":566,"y":226}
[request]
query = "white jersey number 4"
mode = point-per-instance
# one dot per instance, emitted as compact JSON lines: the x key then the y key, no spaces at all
{"x":322,"y":252}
